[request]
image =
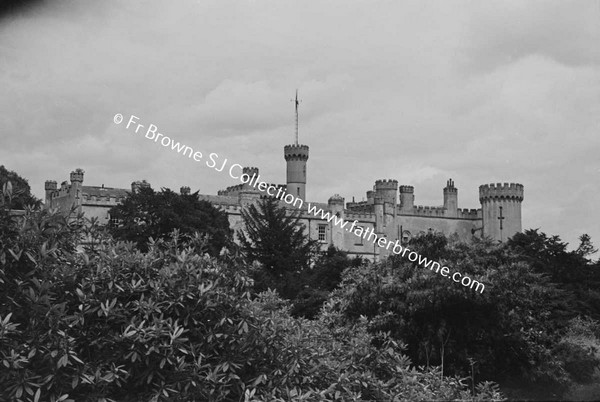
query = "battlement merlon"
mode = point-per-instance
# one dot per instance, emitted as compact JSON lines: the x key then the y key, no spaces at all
{"x":295,"y":152}
{"x":504,"y":191}
{"x":50,"y":185}
{"x":386,"y":184}
{"x":407,"y":189}
{"x":250,"y":170}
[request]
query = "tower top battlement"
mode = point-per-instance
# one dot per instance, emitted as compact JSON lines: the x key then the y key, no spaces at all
{"x":296,"y":152}
{"x":386,"y":184}
{"x":407,"y":189}
{"x":50,"y":185}
{"x":499,"y":190}
{"x":250,"y":170}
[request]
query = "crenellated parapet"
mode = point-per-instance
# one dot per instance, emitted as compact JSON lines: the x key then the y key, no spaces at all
{"x":512,"y":191}
{"x":420,"y":210}
{"x":250,"y":171}
{"x":465,"y":213}
{"x":50,"y":185}
{"x":386,"y":184}
{"x":231,"y":190}
{"x":295,"y":152}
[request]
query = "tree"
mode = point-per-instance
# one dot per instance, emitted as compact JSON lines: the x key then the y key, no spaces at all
{"x":275,"y":239}
{"x":20,"y":192}
{"x":586,"y":248}
{"x":146,"y":213}
{"x":570,"y":270}
{"x":170,"y":324}
{"x":320,"y":280}
{"x":511,"y":331}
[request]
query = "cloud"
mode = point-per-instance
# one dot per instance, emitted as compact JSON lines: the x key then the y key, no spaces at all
{"x":418,"y":91}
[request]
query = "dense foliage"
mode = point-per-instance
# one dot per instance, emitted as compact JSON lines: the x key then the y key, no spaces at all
{"x":112,"y":323}
{"x":147,"y":213}
{"x":17,"y":190}
{"x":513,"y":332}
{"x":273,"y":238}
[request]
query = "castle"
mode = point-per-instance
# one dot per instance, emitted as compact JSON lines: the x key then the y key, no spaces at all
{"x":389,"y":210}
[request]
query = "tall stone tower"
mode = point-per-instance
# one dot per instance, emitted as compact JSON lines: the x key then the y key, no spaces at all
{"x":50,"y":186}
{"x":451,"y":199}
{"x":296,"y":157}
{"x":407,"y":199}
{"x":501,"y":209}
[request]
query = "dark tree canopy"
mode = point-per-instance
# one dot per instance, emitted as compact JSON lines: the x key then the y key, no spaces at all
{"x":20,"y":196}
{"x":147,"y":213}
{"x":275,"y":239}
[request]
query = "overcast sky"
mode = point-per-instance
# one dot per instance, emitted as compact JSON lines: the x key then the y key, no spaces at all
{"x":419,"y":91}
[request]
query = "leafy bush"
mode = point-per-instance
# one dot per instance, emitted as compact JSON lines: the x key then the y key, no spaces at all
{"x":108,"y":322}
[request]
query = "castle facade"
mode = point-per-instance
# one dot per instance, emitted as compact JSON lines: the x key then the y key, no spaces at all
{"x":389,"y":210}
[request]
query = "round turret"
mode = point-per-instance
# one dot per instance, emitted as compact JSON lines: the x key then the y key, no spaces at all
{"x":513,"y":191}
{"x":185,"y":190}
{"x":296,"y":152}
{"x":296,"y":157}
{"x":336,"y":199}
{"x":501,"y":209}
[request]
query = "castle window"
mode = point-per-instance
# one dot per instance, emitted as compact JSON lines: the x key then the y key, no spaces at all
{"x":358,"y":239}
{"x":113,"y":222}
{"x":322,"y":233}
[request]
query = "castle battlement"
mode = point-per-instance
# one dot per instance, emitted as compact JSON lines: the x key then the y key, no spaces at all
{"x":386,"y":184}
{"x":501,"y":191}
{"x":420,"y":210}
{"x":296,"y":152}
{"x":350,"y":216}
{"x":466,"y":213}
{"x":250,"y":170}
{"x":50,"y":185}
{"x":407,"y":189}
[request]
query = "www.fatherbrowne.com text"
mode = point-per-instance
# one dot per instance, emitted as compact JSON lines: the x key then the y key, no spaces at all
{"x":235,"y":171}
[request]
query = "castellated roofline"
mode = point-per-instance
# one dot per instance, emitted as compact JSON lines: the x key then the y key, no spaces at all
{"x":501,"y":191}
{"x":386,"y":184}
{"x":50,"y":185}
{"x":249,"y":170}
{"x":407,"y":189}
{"x":296,"y":152}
